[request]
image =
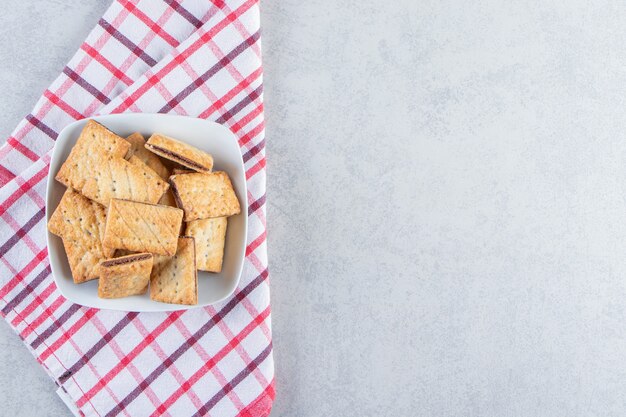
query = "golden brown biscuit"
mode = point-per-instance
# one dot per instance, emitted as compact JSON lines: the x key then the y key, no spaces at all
{"x":204,"y":196}
{"x":140,"y":227}
{"x":209,"y":236}
{"x":182,"y":153}
{"x":84,"y":261}
{"x":181,"y":171}
{"x":138,"y":149}
{"x":128,"y":275}
{"x":94,"y":143}
{"x":174,"y":279}
{"x":118,"y":178}
{"x":80,"y":222}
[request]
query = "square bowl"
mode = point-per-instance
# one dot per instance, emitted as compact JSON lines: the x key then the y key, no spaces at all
{"x":208,"y":136}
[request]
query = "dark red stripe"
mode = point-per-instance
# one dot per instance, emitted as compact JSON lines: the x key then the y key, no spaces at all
{"x":127,"y":43}
{"x":42,"y":126}
{"x":254,"y":150}
{"x":184,"y":13}
{"x":99,"y":345}
{"x":74,"y":76}
{"x":175,"y":101}
{"x":54,"y":326}
{"x":256,"y":205}
{"x":188,"y":344}
{"x":23,"y":231}
{"x":204,"y":410}
{"x":30,"y":287}
{"x":256,"y":93}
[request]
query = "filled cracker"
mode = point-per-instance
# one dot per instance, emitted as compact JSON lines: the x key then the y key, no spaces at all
{"x":80,"y":223}
{"x":204,"y":196}
{"x":209,"y":236}
{"x":174,"y":279}
{"x":140,"y":227}
{"x":125,"y":276}
{"x":180,"y":152}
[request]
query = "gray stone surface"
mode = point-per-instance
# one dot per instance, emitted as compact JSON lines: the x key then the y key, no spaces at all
{"x":446,"y":203}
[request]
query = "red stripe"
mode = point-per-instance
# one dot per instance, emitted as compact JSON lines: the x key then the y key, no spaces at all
{"x":5,"y":175}
{"x":255,"y":150}
{"x":232,"y":93}
{"x":262,"y":405}
{"x":67,"y":334}
{"x":212,"y":362}
{"x":22,"y":189}
{"x":129,"y":357}
{"x":251,"y":97}
{"x":45,"y":314}
{"x":154,"y":27}
{"x":37,"y":301}
{"x":251,"y":134}
{"x":20,"y":276}
{"x":226,"y":309}
{"x":247,"y":118}
{"x":255,"y":243}
{"x":256,"y":168}
{"x":106,"y":63}
{"x":62,"y":104}
{"x":130,"y":100}
{"x":22,"y":149}
{"x":250,"y":367}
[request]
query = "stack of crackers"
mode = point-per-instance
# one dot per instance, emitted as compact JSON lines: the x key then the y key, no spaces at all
{"x":139,"y":214}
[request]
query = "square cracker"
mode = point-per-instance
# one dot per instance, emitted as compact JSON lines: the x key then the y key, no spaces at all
{"x":182,"y":153}
{"x":204,"y":196}
{"x":80,"y":223}
{"x":138,"y":149}
{"x":84,"y":261}
{"x":118,"y":178}
{"x":174,"y":279}
{"x":94,"y":143}
{"x":128,"y":275}
{"x":140,"y":227}
{"x":209,"y":236}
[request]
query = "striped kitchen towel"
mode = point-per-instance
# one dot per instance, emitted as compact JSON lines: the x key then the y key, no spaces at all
{"x":188,"y":57}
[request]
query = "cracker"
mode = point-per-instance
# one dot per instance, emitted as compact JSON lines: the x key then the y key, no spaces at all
{"x":174,"y":279}
{"x":125,"y":276}
{"x":182,"y":153}
{"x":204,"y":196}
{"x":122,"y":179}
{"x":181,"y":171}
{"x":140,"y":227}
{"x":94,"y":143}
{"x":138,"y":149}
{"x":84,"y":261}
{"x":209,"y":236}
{"x":80,"y":223}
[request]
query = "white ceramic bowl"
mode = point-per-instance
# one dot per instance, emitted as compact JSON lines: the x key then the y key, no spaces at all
{"x":211,"y":137}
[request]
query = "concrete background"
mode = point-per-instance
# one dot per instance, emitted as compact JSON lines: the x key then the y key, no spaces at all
{"x":447,"y":203}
